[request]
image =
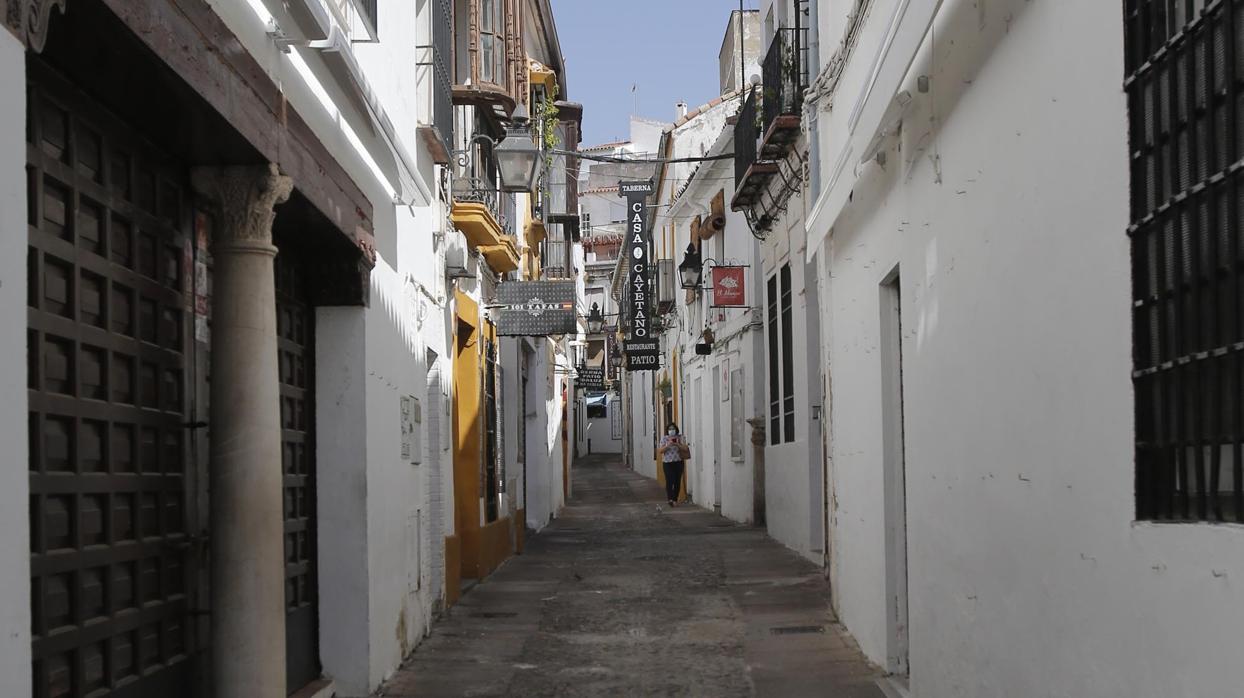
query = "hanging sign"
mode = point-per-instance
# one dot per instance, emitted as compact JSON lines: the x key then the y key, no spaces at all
{"x":729,"y":290}
{"x":591,"y":379}
{"x":642,"y":348}
{"x":536,"y":308}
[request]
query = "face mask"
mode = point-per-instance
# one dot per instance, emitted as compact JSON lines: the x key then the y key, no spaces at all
{"x":671,"y":432}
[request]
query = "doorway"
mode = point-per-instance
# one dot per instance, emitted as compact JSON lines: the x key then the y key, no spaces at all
{"x":114,"y":519}
{"x":895,"y":478}
{"x":296,"y":359}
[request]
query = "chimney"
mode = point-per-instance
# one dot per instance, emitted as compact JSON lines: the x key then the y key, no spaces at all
{"x":680,"y":110}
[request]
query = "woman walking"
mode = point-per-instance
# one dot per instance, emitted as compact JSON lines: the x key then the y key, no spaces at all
{"x":674,"y":454}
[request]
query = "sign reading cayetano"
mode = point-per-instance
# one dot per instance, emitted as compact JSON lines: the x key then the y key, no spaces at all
{"x":642,"y":349}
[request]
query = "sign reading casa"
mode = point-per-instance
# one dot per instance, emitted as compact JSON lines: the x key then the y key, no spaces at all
{"x":642,"y":349}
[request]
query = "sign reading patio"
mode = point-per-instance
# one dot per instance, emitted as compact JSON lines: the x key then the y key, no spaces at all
{"x":536,"y":308}
{"x":642,"y":349}
{"x":729,"y":290}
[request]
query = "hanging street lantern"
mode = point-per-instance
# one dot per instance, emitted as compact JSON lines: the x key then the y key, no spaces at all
{"x":595,"y":321}
{"x":615,"y":357}
{"x":518,"y":157}
{"x":691,"y":269}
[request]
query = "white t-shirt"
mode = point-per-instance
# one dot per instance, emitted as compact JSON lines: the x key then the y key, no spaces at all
{"x":669,"y":448}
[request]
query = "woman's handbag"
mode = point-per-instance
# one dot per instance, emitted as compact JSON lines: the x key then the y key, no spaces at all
{"x":684,"y":451}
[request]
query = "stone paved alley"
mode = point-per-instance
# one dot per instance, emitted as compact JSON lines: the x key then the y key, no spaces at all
{"x":623,"y":596}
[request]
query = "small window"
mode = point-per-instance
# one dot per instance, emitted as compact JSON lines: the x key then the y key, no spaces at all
{"x":492,"y":41}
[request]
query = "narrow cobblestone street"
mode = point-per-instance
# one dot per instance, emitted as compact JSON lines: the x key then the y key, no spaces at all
{"x":623,"y":596}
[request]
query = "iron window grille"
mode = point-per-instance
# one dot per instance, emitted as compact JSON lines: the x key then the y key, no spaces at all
{"x":775,"y":386}
{"x":788,"y":357}
{"x":1184,"y":64}
{"x":442,"y":84}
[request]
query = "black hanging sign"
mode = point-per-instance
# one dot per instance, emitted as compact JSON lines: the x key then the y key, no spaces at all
{"x":591,"y":378}
{"x":536,"y":308}
{"x":642,"y":348}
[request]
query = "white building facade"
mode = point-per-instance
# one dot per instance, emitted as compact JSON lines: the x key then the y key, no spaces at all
{"x":1011,"y":510}
{"x":771,"y":191}
{"x":715,"y":341}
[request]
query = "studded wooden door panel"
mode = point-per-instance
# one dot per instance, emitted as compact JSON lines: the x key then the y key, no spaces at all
{"x":296,"y":344}
{"x":107,"y":372}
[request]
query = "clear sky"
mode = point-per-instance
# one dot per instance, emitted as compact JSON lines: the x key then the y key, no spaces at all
{"x":667,"y":49}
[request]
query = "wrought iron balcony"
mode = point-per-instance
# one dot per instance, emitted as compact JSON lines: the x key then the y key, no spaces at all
{"x":785,"y":73}
{"x":555,"y":259}
{"x":751,"y":175}
{"x":500,"y":206}
{"x":438,"y":135}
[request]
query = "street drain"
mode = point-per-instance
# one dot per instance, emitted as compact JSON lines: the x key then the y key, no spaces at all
{"x":797,"y":630}
{"x":494,"y":614}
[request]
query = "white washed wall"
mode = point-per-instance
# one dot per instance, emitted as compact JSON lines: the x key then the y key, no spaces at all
{"x":1007,"y":214}
{"x":15,"y":479}
{"x":794,"y":510}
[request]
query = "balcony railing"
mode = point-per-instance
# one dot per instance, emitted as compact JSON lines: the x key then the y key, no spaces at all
{"x":438,"y":135}
{"x":555,"y":259}
{"x":785,"y":73}
{"x":501,"y":206}
{"x":751,"y":172}
{"x":745,"y":138}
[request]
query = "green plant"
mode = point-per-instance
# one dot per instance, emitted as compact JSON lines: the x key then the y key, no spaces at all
{"x":666,"y":388}
{"x":546,"y":114}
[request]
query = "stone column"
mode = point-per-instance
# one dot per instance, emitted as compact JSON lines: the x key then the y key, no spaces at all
{"x":247,"y":517}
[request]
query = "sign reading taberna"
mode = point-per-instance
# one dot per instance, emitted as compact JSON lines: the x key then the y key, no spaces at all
{"x":642,"y":349}
{"x":536,"y":308}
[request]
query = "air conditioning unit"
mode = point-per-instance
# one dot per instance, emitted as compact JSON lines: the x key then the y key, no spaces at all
{"x":460,"y":263}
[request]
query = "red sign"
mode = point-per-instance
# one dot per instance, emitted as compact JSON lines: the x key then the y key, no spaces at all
{"x":728,"y":288}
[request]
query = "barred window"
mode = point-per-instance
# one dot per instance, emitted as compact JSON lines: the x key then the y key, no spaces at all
{"x":788,"y":357}
{"x":775,"y":387}
{"x":780,"y":328}
{"x":1184,"y":61}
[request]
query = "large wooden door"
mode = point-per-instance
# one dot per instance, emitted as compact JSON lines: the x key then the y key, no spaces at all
{"x":296,"y":358}
{"x":111,"y":553}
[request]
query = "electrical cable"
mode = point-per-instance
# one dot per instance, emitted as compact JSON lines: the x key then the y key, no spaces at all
{"x":620,"y":160}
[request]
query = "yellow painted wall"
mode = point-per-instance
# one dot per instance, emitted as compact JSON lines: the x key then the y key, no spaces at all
{"x":483,"y":546}
{"x":466,"y":426}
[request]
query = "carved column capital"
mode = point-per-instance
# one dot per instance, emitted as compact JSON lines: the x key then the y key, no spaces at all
{"x":244,"y":197}
{"x":29,"y":19}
